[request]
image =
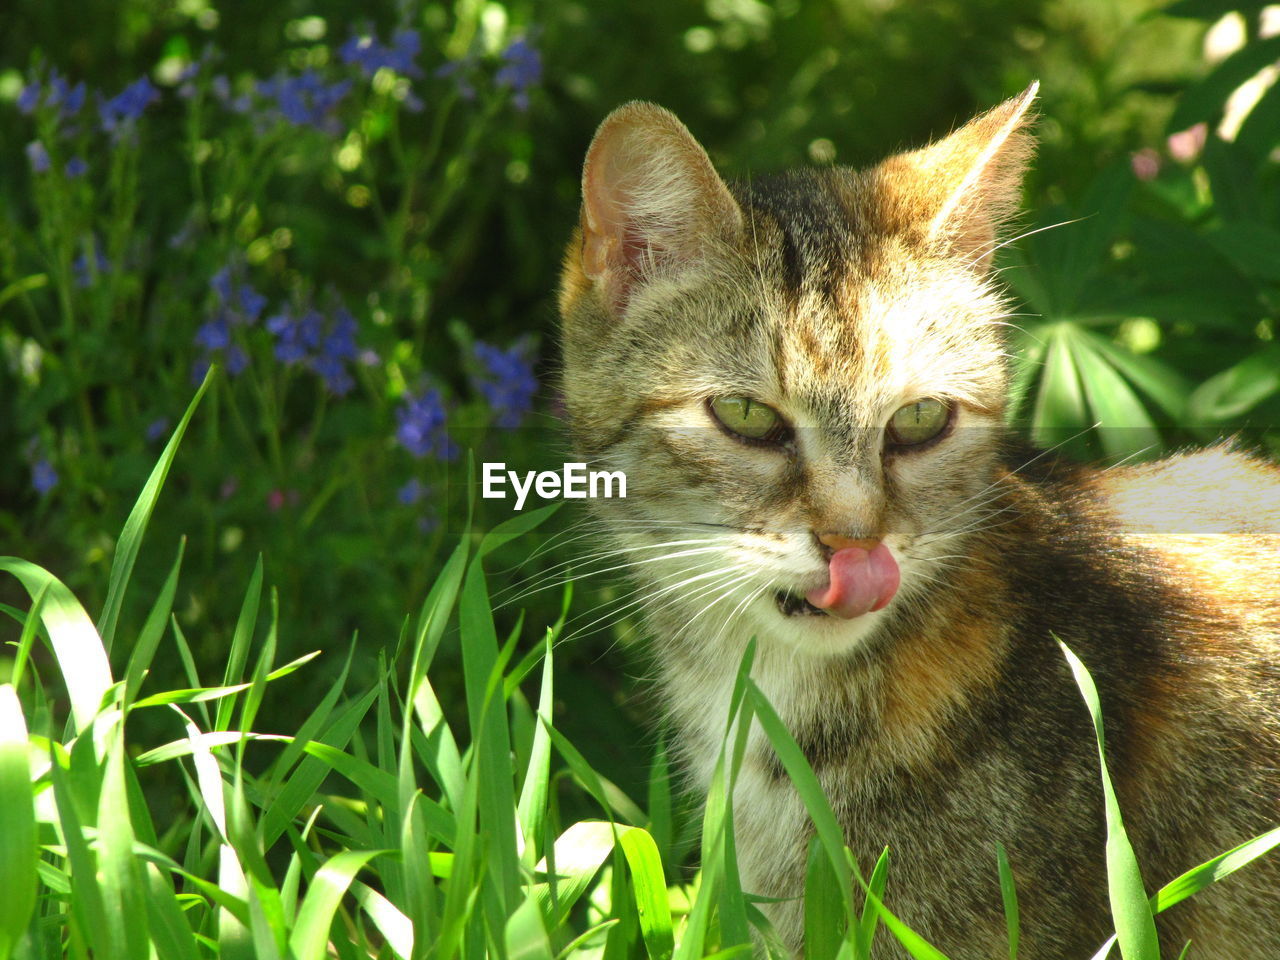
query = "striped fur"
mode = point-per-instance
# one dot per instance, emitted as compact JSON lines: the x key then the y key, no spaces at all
{"x":948,"y":720}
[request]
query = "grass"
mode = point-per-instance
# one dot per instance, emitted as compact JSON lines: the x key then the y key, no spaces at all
{"x":377,"y":829}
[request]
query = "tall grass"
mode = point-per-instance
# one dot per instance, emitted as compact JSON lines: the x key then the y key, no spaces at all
{"x":378,"y":829}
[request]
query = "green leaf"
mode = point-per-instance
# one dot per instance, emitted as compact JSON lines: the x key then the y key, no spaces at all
{"x":650,"y":886}
{"x":1211,"y":871}
{"x":1237,"y":389}
{"x":1206,"y":100}
{"x":526,"y":934}
{"x":1009,"y":894}
{"x":310,"y":936}
{"x":136,"y":525}
{"x":1060,"y":404}
{"x":1135,"y":924}
{"x":579,"y":853}
{"x":144,"y":649}
{"x":866,"y":930}
{"x":1209,"y":9}
{"x":240,"y":641}
{"x":824,"y":916}
{"x":531,"y":811}
{"x":1253,"y":248}
{"x":76,"y":644}
{"x":18,"y":850}
{"x":1123,"y":425}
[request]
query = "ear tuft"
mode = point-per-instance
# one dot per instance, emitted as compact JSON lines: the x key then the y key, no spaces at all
{"x":959,"y":190}
{"x":651,"y":201}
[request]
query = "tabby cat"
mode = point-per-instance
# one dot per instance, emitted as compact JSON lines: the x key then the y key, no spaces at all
{"x":803,"y":378}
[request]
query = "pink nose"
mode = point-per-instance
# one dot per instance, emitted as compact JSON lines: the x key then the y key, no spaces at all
{"x":838,"y":541}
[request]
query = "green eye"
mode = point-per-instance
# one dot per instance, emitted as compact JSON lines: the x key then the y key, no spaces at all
{"x":748,"y":418}
{"x":919,"y":422}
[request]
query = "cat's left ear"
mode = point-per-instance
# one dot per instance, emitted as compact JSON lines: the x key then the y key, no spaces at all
{"x":959,"y":190}
{"x":652,"y":203}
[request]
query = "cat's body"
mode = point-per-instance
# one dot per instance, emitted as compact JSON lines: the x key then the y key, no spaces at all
{"x":938,"y":558}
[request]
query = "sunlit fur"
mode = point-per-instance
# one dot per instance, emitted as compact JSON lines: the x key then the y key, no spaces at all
{"x":948,"y":720}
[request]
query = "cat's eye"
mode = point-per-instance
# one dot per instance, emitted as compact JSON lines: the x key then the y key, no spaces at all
{"x":918,"y":422}
{"x":750,"y":419}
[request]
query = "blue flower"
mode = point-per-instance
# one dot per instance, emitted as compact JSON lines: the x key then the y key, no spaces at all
{"x":82,"y":276}
{"x":413,"y":491}
{"x":38,"y":156}
{"x":521,"y":69}
{"x":334,"y":374}
{"x":43,"y":477}
{"x":460,"y":71}
{"x":76,"y":167}
{"x":214,"y":334}
{"x":371,"y":56}
{"x":507,"y":384}
{"x":29,"y":98}
{"x":242,"y":303}
{"x":157,"y":429}
{"x":74,"y":101}
{"x":122,"y":110}
{"x":305,"y":100}
{"x":420,"y":426}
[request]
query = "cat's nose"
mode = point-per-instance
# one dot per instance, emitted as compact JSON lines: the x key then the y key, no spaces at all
{"x":838,"y":541}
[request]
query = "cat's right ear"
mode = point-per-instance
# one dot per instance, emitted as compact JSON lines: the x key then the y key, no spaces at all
{"x":652,"y":202}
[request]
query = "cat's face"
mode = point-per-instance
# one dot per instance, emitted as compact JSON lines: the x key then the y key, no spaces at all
{"x":801,"y":377}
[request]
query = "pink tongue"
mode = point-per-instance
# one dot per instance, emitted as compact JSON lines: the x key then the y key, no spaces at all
{"x":862,"y":581}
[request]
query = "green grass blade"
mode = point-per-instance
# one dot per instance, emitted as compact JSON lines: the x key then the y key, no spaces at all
{"x":526,"y":934}
{"x":310,"y":936}
{"x":170,"y":931}
{"x":579,"y":853}
{"x":76,"y":644}
{"x":1135,"y":924}
{"x":531,"y":810}
{"x":1009,"y":894}
{"x":1197,"y":878}
{"x":491,"y":738}
{"x":119,"y":875}
{"x":144,"y":650}
{"x":30,"y":629}
{"x":824,"y":916}
{"x":240,"y":641}
{"x":391,"y":923}
{"x":18,"y":851}
{"x":131,"y":537}
{"x":870,"y":918}
{"x":650,"y":886}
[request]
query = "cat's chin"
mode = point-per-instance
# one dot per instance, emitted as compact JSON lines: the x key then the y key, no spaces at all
{"x":800,"y":626}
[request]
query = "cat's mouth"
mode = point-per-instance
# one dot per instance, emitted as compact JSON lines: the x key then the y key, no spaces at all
{"x":795,"y":605}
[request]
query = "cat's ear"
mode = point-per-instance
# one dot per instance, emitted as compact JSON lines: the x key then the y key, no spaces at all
{"x":651,"y":201}
{"x":959,"y":190}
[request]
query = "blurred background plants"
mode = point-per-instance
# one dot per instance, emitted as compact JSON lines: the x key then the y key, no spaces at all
{"x":356,"y":209}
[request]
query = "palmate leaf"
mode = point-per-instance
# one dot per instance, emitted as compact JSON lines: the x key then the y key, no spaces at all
{"x":1206,"y":99}
{"x":1238,"y":389}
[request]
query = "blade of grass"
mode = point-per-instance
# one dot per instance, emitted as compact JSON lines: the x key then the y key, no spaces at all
{"x":135,"y":526}
{"x":76,"y":644}
{"x":144,"y":650}
{"x":30,"y":628}
{"x":240,"y":641}
{"x":1135,"y":924}
{"x":1009,"y":894}
{"x":870,"y":919}
{"x":531,"y":811}
{"x":19,"y":853}
{"x":824,"y":916}
{"x":650,"y":886}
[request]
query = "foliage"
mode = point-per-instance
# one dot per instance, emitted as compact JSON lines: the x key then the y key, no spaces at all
{"x":402,"y":836}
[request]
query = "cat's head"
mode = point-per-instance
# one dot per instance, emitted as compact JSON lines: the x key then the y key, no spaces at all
{"x":802,"y":376}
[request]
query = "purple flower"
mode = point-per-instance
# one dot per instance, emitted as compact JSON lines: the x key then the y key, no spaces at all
{"x":507,"y":384}
{"x":76,"y":167}
{"x":156,"y":429}
{"x":74,"y":101}
{"x":214,"y":334}
{"x":43,"y":477}
{"x":29,"y":99}
{"x":413,"y":491}
{"x":242,"y":303}
{"x":118,"y":113}
{"x":371,"y":56}
{"x":521,"y":69}
{"x":420,"y":426}
{"x":237,"y":359}
{"x":305,"y":100}
{"x":82,"y":275}
{"x":38,"y":156}
{"x":334,"y":374}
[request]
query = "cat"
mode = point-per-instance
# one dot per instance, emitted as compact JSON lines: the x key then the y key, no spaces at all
{"x":803,"y":378}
